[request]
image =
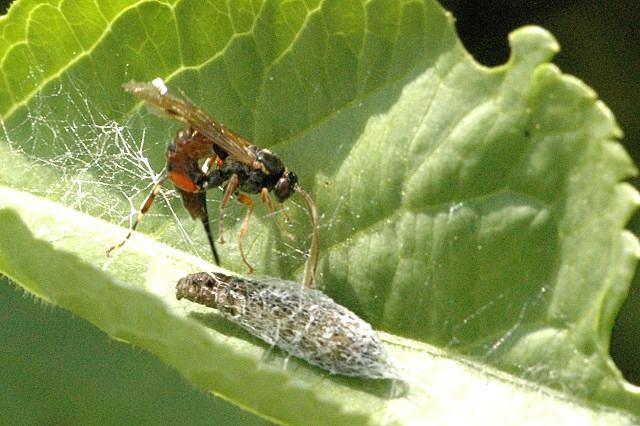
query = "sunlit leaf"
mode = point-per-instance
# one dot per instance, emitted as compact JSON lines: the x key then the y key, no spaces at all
{"x":478,"y":210}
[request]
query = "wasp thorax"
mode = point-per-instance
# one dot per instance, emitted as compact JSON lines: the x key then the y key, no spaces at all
{"x":271,"y":162}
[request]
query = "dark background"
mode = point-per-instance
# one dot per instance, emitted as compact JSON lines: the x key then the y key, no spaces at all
{"x":600,"y":44}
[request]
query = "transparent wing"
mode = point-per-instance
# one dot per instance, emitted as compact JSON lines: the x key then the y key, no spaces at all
{"x":157,"y":95}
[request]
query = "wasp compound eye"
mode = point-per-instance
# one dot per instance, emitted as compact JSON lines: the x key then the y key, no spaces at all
{"x":285,"y":186}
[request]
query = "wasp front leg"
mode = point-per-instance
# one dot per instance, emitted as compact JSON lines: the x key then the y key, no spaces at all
{"x":230,"y":189}
{"x":266,"y":198}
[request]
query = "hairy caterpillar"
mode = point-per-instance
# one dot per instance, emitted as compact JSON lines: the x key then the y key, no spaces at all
{"x":303,"y":322}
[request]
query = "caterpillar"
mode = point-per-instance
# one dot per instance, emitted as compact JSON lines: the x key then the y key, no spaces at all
{"x":301,"y":321}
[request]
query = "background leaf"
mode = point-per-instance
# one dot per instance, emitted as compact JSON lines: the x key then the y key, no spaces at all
{"x":588,"y":32}
{"x":476,"y":209}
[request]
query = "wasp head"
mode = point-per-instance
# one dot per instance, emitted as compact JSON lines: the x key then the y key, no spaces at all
{"x":285,"y":186}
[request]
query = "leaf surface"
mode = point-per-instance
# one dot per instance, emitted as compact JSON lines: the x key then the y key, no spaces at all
{"x":478,"y":210}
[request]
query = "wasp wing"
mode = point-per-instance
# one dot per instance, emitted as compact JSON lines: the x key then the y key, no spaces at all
{"x":157,"y":95}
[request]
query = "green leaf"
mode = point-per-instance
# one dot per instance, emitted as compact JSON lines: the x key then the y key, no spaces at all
{"x":221,"y":358}
{"x":477,"y":210}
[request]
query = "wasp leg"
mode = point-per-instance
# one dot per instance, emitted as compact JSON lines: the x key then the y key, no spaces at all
{"x":146,"y":205}
{"x":287,"y":219}
{"x":230,"y":189}
{"x":266,"y":198}
{"x":245,"y":225}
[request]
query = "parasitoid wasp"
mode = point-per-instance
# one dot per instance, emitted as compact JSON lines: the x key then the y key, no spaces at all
{"x":227,"y":159}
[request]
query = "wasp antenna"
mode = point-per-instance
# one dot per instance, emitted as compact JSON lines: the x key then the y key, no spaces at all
{"x":312,"y":261}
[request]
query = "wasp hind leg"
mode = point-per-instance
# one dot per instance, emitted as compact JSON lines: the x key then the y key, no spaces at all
{"x":146,"y":205}
{"x":245,"y":225}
